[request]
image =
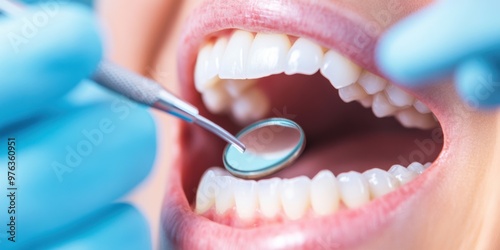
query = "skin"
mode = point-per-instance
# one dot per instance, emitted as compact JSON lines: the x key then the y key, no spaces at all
{"x":461,"y":210}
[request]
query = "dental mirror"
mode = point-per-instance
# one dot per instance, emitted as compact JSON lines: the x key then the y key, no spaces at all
{"x":271,"y":145}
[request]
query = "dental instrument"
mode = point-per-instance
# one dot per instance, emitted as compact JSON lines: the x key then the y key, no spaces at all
{"x":272,"y":144}
{"x":141,"y":89}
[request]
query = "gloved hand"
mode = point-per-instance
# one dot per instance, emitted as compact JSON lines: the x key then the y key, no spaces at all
{"x":76,"y":147}
{"x":448,"y":37}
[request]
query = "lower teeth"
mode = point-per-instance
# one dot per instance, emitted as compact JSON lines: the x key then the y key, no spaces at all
{"x":219,"y":193}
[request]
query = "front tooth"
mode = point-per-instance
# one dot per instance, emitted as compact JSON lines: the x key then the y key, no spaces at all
{"x":233,"y":63}
{"x":203,"y":75}
{"x":245,"y":197}
{"x":339,"y":70}
{"x":416,"y":167}
{"x":398,"y":97}
{"x":353,"y":189}
{"x":267,"y":55}
{"x":371,"y":83}
{"x":351,"y":93}
{"x":304,"y":57}
{"x":411,"y":118}
{"x":380,"y":182}
{"x":427,"y":165}
{"x":324,"y":193}
{"x":224,"y":198}
{"x":402,"y":174}
{"x":269,"y":196}
{"x":252,"y":105}
{"x":216,"y":99}
{"x":381,"y":106}
{"x":217,"y":55}
{"x":207,"y":189}
{"x":367,"y":101}
{"x":295,"y":196}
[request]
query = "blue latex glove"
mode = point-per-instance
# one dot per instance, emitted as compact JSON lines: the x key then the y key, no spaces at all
{"x":448,"y":37}
{"x":77,"y":149}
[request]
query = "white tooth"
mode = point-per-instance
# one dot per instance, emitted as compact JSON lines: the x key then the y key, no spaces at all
{"x":416,"y":167}
{"x":267,"y":55}
{"x":351,"y":93}
{"x":205,"y":195}
{"x":269,"y":196}
{"x":252,"y":105}
{"x":203,"y":76}
{"x":402,"y":174}
{"x":339,"y":70}
{"x":380,"y":182}
{"x":324,"y":193}
{"x":411,"y":118}
{"x":427,"y":165}
{"x":233,"y":63}
{"x":353,"y":189}
{"x":305,"y":57}
{"x":420,"y":107}
{"x":367,"y":101}
{"x":371,"y":83}
{"x":245,"y":197}
{"x":216,"y":99}
{"x":398,"y":97}
{"x":217,"y":55}
{"x":295,"y":196}
{"x":236,"y":87}
{"x":224,"y":197}
{"x":381,"y":106}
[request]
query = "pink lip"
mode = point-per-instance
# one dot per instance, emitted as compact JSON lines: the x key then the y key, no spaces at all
{"x":333,"y":24}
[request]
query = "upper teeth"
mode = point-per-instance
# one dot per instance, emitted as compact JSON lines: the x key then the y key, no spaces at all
{"x":322,"y":194}
{"x":247,"y":56}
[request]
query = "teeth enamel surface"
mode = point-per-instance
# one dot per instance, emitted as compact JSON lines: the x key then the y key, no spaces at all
{"x":305,"y":57}
{"x":339,"y":70}
{"x":224,"y":197}
{"x":371,"y":83}
{"x":402,"y":174}
{"x":380,"y":182}
{"x":352,"y":92}
{"x":269,"y":196}
{"x":398,"y":97}
{"x":245,"y":197}
{"x":353,"y":189}
{"x":293,"y":198}
{"x":268,"y":55}
{"x":233,"y":63}
{"x":227,"y":68}
{"x":324,"y":193}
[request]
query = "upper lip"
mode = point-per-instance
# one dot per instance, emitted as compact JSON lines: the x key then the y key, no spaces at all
{"x":333,"y":25}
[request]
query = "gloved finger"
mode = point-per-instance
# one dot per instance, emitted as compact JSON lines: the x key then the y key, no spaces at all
{"x":72,"y":164}
{"x":478,"y":82}
{"x":433,"y":41}
{"x":121,"y":226}
{"x":43,"y":55}
{"x":86,"y":2}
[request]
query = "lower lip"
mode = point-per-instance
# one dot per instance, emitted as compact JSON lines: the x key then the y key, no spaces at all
{"x":347,"y":228}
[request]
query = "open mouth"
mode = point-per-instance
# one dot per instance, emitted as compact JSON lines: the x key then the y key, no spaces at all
{"x":370,"y":144}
